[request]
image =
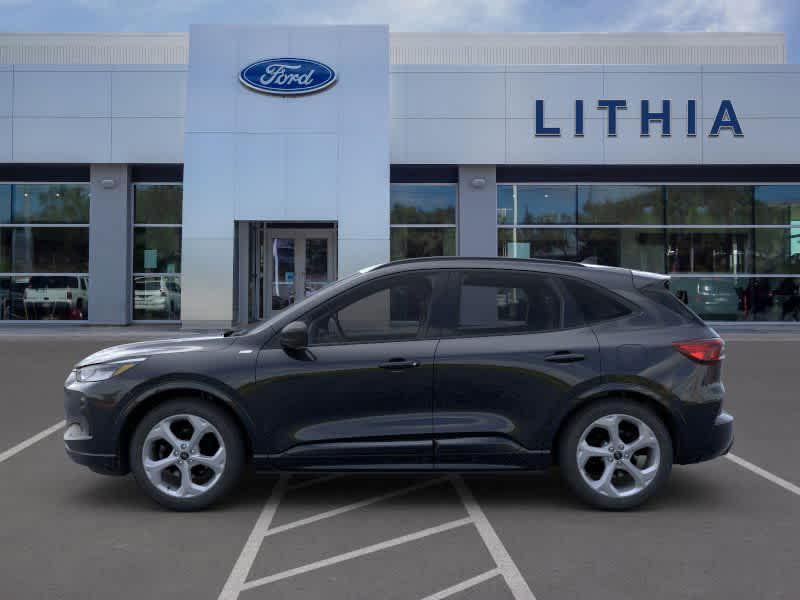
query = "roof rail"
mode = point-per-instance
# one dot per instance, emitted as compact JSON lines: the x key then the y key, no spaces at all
{"x":499,"y":259}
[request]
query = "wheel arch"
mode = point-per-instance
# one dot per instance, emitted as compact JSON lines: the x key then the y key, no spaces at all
{"x":146,"y":400}
{"x":643,"y":396}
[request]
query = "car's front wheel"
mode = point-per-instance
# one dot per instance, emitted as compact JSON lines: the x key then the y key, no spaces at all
{"x":186,"y":454}
{"x":615,"y":454}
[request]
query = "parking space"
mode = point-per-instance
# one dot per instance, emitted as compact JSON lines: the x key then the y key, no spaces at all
{"x":719,"y":531}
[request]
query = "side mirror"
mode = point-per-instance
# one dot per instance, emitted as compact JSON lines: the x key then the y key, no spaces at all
{"x":294,"y":336}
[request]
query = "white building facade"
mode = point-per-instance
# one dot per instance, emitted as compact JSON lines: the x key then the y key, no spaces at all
{"x":144,"y":177}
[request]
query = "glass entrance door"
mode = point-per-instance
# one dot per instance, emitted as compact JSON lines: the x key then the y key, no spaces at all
{"x":300,"y":262}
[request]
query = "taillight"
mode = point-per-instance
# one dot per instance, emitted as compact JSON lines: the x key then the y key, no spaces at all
{"x":69,"y":295}
{"x":702,"y":350}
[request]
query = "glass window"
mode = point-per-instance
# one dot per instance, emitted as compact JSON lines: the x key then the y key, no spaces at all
{"x":709,"y":205}
{"x":641,"y":249}
{"x":157,"y":250}
{"x":705,"y":230}
{"x":423,"y":219}
{"x":535,"y":204}
{"x":393,"y":310}
{"x":418,"y":242}
{"x":44,"y":297}
{"x":593,"y":303}
{"x":740,"y":298}
{"x":717,"y":298}
{"x":783,"y":300}
{"x":621,"y":204}
{"x":557,"y":244}
{"x":158,"y":204}
{"x":414,"y":204}
{"x":156,"y":297}
{"x":5,"y":203}
{"x":499,"y":302}
{"x":44,"y":204}
{"x":44,"y":249}
{"x":777,"y":205}
{"x":43,"y":264}
{"x":778,"y":250}
{"x":710,"y":251}
{"x":157,"y":214}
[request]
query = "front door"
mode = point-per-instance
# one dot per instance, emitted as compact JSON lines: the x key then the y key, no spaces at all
{"x":298,"y":263}
{"x":361,"y":394}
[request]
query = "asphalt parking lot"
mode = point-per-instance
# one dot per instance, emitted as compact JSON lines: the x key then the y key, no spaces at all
{"x":721,"y":530}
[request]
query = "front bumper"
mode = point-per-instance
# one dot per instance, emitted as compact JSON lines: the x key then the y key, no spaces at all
{"x":90,"y":437}
{"x":718,"y":442}
{"x":80,"y":446}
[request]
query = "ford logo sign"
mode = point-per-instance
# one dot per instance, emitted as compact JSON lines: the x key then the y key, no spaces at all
{"x":287,"y":76}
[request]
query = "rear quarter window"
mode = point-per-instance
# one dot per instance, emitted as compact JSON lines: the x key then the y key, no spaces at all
{"x":661,"y":295}
{"x":593,"y":303}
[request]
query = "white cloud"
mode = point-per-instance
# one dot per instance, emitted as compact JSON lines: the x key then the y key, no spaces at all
{"x":415,"y":15}
{"x":704,"y":15}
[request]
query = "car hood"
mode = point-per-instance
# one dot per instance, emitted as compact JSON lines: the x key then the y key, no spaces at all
{"x":151,"y":348}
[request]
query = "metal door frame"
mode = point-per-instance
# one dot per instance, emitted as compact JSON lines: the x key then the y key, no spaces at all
{"x":300,"y":235}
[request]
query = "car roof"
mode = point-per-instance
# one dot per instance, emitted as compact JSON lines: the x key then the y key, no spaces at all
{"x":610,"y":276}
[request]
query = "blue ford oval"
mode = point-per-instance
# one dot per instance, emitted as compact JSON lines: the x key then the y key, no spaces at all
{"x":287,"y":76}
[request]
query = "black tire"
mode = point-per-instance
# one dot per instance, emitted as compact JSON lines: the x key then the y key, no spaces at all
{"x":568,"y":446}
{"x":229,"y":432}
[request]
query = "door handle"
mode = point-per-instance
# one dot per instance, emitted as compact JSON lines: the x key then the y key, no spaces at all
{"x":397,"y":364}
{"x":565,"y":357}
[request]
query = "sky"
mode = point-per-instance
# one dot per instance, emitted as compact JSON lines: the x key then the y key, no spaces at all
{"x":413,"y":15}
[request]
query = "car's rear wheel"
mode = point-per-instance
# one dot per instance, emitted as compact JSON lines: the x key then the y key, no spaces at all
{"x":186,"y":454}
{"x":615,"y":454}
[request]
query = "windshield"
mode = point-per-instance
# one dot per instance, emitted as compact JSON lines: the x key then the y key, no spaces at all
{"x":300,"y":307}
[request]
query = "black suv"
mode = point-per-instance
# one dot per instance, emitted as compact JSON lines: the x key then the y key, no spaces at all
{"x":453,"y":364}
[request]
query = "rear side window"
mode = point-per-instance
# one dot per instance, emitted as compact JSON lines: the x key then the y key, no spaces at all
{"x":593,"y":303}
{"x":660,"y":294}
{"x":500,"y":302}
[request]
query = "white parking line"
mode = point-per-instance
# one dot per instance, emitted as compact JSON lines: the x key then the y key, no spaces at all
{"x":514,"y":579}
{"x":464,"y":585}
{"x":241,"y":569}
{"x":764,"y":473}
{"x":418,"y":535}
{"x":314,"y":481}
{"x":354,"y":506}
{"x":31,"y":441}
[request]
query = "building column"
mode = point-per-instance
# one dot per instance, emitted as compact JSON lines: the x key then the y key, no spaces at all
{"x":477,"y":211}
{"x":109,"y":245}
{"x":242,"y":271}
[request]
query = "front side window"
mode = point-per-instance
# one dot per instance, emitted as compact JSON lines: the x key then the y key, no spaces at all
{"x":44,"y":251}
{"x":503,"y":302}
{"x":423,"y":220}
{"x":393,"y":310}
{"x":157,"y":215}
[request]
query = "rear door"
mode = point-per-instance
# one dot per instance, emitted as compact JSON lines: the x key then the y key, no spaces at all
{"x":510,"y":357}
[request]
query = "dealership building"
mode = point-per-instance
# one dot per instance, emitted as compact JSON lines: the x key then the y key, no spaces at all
{"x":215,"y":177}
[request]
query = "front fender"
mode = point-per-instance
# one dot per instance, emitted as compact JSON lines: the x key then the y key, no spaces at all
{"x":143,"y":395}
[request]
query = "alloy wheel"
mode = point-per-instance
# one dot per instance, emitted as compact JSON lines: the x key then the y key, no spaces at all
{"x":183,"y":456}
{"x":618,"y":455}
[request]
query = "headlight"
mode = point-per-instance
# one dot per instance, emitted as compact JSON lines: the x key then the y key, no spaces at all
{"x":105,"y":371}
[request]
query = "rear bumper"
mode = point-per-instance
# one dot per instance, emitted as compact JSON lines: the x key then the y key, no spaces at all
{"x":718,"y":442}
